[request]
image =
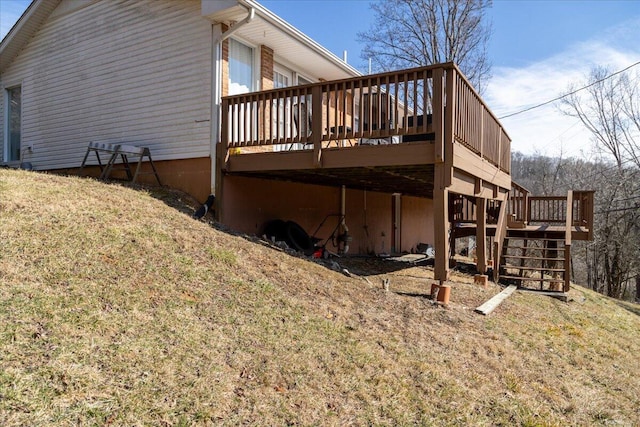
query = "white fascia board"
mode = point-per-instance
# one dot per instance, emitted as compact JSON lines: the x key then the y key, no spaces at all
{"x":293,"y":32}
{"x":6,"y":41}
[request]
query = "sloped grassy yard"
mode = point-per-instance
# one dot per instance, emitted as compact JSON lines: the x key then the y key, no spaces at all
{"x":117,"y":309}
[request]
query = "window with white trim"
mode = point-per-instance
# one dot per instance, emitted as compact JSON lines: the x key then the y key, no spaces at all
{"x":241,"y":67}
{"x":13,"y":124}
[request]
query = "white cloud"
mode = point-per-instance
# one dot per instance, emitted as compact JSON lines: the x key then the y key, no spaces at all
{"x":546,"y":130}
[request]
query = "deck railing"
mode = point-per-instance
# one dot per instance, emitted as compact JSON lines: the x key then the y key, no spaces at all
{"x":519,"y":202}
{"x":401,"y":106}
{"x":463,"y":210}
{"x":551,"y":209}
{"x":477,"y":128}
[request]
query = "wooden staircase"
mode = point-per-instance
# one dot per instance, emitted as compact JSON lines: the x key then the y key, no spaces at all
{"x":536,"y":261}
{"x":533,"y":248}
{"x":527,"y":237}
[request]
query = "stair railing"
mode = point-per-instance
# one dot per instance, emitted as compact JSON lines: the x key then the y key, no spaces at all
{"x":567,"y":241}
{"x":498,"y":241}
{"x":519,"y":203}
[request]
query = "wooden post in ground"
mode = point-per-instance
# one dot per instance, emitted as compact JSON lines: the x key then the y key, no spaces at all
{"x":501,"y":233}
{"x":481,"y":234}
{"x":441,"y":224}
{"x":567,"y":242}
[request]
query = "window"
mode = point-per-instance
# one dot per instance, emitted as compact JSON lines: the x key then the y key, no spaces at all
{"x":280,"y":80}
{"x":241,"y":80}
{"x":281,"y":108}
{"x":240,"y":68}
{"x":13,"y":124}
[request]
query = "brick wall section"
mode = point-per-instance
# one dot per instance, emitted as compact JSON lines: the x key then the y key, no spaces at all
{"x":266,"y":67}
{"x":266,"y":83}
{"x":225,"y":63}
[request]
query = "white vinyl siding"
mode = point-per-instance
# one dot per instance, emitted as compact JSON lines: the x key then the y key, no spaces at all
{"x":117,"y":71}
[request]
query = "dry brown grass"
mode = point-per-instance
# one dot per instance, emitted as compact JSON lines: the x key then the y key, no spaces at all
{"x":116,"y":309}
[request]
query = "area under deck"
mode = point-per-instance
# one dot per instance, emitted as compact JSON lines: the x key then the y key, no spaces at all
{"x":406,"y":168}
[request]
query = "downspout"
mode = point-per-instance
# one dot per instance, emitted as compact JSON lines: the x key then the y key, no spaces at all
{"x":216,"y":87}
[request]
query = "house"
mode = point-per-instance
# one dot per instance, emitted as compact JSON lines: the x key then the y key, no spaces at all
{"x":232,"y":100}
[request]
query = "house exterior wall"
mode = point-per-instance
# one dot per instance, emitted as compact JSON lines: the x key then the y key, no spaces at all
{"x":189,"y":175}
{"x":109,"y":71}
{"x":249,"y":203}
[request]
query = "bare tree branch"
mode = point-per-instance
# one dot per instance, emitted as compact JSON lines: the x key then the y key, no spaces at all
{"x":410,"y":33}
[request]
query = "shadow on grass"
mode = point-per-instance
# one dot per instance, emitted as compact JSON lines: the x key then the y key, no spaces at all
{"x":630,"y":306}
{"x":413,"y":295}
{"x":175,"y":199}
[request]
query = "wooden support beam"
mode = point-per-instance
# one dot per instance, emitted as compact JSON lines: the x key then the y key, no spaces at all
{"x":438,"y":113}
{"x":441,"y":223}
{"x":469,"y":185}
{"x":494,"y":302}
{"x":501,"y":232}
{"x":468,"y":161}
{"x":567,"y":242}
{"x":450,"y":114}
{"x":478,"y":185}
{"x":221,"y":152}
{"x":481,"y":234}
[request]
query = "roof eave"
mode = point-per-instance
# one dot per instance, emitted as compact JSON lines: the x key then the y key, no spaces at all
{"x":22,"y":31}
{"x":292,"y":31}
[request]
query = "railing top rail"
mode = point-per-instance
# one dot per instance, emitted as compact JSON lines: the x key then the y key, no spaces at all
{"x":519,"y":187}
{"x":536,"y":198}
{"x":446,"y":66}
{"x":475,"y":92}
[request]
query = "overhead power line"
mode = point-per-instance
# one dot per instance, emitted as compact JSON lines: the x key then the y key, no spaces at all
{"x":568,"y":94}
{"x":631,"y":208}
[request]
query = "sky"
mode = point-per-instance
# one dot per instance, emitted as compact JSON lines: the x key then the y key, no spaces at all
{"x":538,"y":49}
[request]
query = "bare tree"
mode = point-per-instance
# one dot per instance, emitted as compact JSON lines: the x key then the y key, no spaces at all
{"x":609,"y":108}
{"x":413,"y":33}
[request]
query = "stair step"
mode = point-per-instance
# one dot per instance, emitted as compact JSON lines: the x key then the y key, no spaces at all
{"x":517,"y":267}
{"x":532,"y":279}
{"x":534,"y":248}
{"x":542,"y":239}
{"x":532,"y":258}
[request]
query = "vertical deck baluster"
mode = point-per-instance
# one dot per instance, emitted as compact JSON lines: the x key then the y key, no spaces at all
{"x":252,"y":116}
{"x":405,"y":77}
{"x":396,"y":108}
{"x":352,"y":106}
{"x":361,"y":111}
{"x":271,"y":101}
{"x":415,"y":99}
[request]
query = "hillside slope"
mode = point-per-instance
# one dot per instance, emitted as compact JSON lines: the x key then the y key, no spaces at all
{"x":117,"y":309}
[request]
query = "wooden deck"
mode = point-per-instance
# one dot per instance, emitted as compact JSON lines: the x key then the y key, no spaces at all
{"x":422,"y":132}
{"x":385,"y":132}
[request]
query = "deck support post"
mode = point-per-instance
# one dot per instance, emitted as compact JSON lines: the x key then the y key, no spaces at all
{"x":219,"y":159}
{"x":220,"y":155}
{"x":501,"y":232}
{"x":441,"y":224}
{"x":567,"y":241}
{"x":481,"y":234}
